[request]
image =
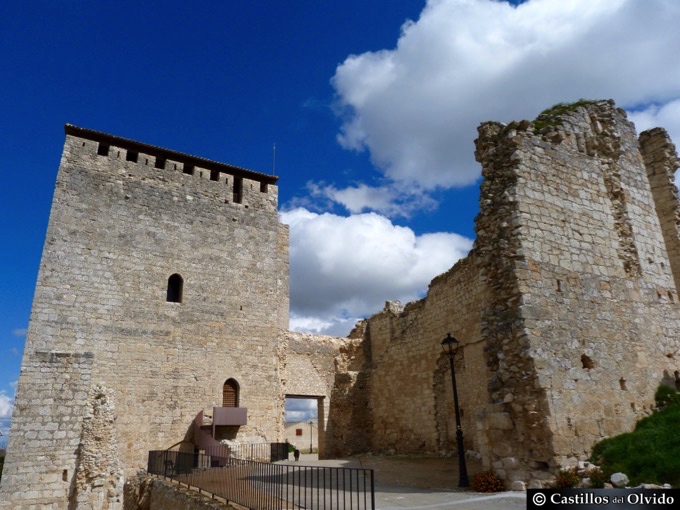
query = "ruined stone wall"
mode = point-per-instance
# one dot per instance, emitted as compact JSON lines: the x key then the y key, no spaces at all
{"x":308,"y":365}
{"x":661,"y":161}
{"x":566,"y":308}
{"x":149,"y":493}
{"x":407,"y":376}
{"x":125,"y":217}
{"x":586,"y":277}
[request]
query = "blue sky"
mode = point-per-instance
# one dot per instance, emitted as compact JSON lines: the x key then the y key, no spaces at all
{"x":373,"y":107}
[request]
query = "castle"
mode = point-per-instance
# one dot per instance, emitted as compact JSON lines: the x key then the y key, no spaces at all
{"x":162,"y":297}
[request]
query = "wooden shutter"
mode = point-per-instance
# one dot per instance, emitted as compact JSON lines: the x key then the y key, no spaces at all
{"x":230,"y":394}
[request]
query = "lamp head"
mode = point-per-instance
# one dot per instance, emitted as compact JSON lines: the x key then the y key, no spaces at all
{"x":449,"y":344}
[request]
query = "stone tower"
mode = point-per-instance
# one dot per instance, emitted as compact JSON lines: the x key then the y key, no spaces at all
{"x":583,"y":318}
{"x":162,"y":290}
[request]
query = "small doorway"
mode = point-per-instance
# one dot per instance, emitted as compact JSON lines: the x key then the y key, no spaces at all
{"x":304,"y":422}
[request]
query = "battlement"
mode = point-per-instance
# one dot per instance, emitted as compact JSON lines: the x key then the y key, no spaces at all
{"x":233,"y":184}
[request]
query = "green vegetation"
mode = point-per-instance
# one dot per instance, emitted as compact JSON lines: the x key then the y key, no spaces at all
{"x":487,"y":481}
{"x":651,"y":453}
{"x":567,"y":478}
{"x":598,"y":477}
{"x":550,"y":116}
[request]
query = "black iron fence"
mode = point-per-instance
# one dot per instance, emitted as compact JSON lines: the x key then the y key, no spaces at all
{"x":267,"y":486}
{"x":261,"y":452}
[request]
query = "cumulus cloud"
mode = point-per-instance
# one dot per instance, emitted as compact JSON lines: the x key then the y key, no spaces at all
{"x":6,"y":405}
{"x":6,"y":409}
{"x":301,"y":409}
{"x":346,"y":267}
{"x":387,"y":199}
{"x":666,"y":115}
{"x":415,"y":108}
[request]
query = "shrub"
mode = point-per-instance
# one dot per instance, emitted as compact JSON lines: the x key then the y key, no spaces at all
{"x":567,"y":478}
{"x":598,"y":477}
{"x":666,"y":396}
{"x":649,"y":454}
{"x":487,"y":481}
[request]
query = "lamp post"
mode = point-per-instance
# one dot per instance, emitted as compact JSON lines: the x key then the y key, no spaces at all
{"x":310,"y":436}
{"x":450,"y":344}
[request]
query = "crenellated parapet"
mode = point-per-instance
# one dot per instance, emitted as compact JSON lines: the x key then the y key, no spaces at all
{"x":227,"y":184}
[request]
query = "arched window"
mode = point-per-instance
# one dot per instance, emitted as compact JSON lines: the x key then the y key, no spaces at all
{"x":230,"y":393}
{"x":175,"y":284}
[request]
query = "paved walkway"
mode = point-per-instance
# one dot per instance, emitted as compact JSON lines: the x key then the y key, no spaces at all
{"x":395,"y":497}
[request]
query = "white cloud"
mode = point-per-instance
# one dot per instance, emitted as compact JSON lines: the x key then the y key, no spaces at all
{"x":667,"y":115}
{"x":301,"y":409}
{"x":6,"y":409}
{"x":346,"y":267}
{"x":6,"y":405}
{"x":20,"y":332}
{"x":416,"y":108}
{"x":388,"y":199}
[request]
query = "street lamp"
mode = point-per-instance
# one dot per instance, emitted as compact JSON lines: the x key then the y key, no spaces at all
{"x":311,"y":435}
{"x":450,"y":344}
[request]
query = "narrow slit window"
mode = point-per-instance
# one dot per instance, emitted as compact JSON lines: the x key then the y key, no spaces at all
{"x":238,"y":190}
{"x":263,"y":187}
{"x":175,"y":289}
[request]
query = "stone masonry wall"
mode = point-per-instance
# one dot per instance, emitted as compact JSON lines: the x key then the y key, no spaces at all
{"x":308,"y":367}
{"x":566,"y":308}
{"x":149,"y":493}
{"x":48,"y":414}
{"x":566,"y":311}
{"x":407,"y":376}
{"x":661,"y":161}
{"x":588,"y":284}
{"x":125,"y":217}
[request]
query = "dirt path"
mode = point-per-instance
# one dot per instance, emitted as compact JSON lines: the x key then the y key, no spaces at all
{"x":423,"y":472}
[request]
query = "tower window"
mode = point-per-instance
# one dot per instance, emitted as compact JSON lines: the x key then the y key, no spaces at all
{"x":230,"y":392}
{"x":175,"y":286}
{"x":238,"y":190}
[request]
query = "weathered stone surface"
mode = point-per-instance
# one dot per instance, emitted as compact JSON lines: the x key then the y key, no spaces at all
{"x":123,"y":221}
{"x":619,"y":480}
{"x":148,"y":493}
{"x":566,"y":311}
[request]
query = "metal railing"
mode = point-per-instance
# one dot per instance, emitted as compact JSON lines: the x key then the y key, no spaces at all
{"x":266,"y":486}
{"x":261,"y":452}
